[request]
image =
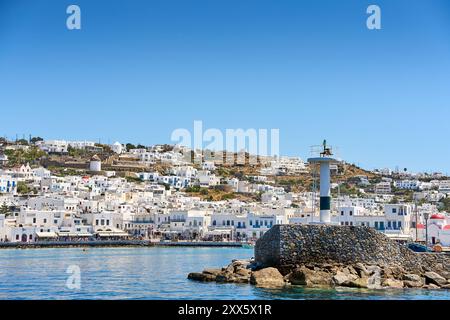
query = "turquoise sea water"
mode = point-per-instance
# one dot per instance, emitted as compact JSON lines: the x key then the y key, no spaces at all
{"x":149,"y":273}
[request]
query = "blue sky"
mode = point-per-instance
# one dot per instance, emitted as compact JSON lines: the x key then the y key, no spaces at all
{"x":140,"y":69}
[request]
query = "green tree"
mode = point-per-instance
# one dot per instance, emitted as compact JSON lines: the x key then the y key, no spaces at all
{"x":23,"y":142}
{"x":130,"y":146}
{"x":36,"y":139}
{"x":445,"y":204}
{"x":4,"y":209}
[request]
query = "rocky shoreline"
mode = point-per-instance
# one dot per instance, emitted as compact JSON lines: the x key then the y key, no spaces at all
{"x":334,"y":256}
{"x":325,"y":276}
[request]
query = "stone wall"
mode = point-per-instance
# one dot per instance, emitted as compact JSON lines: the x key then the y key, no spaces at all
{"x":286,"y":246}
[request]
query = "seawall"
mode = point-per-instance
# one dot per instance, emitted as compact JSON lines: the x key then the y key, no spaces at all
{"x":287,"y":246}
{"x":113,"y":243}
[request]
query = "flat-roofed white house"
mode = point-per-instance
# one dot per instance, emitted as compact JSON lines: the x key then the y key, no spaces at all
{"x":8,"y":184}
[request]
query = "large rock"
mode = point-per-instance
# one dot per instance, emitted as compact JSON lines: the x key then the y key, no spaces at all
{"x":267,"y":278}
{"x":225,"y":277}
{"x":342,"y":279}
{"x":393,"y":283}
{"x":213,"y":272}
{"x":436,"y":279}
{"x":310,"y":278}
{"x":362,"y":270}
{"x":202,"y":277}
{"x":413,"y":281}
{"x":243,"y":272}
{"x":360,"y":283}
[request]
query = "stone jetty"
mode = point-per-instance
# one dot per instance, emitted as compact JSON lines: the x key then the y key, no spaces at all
{"x":333,"y":256}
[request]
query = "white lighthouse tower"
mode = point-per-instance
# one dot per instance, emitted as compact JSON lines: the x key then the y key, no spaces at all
{"x":325,"y":160}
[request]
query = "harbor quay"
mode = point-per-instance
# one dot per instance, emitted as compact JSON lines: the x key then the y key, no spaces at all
{"x":118,"y":243}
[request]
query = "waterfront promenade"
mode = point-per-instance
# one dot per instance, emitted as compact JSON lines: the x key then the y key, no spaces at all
{"x":117,"y":243}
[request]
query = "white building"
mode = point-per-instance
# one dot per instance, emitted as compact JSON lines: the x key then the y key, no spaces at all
{"x":383,"y":188}
{"x":95,"y":165}
{"x":8,"y":184}
{"x":408,"y":184}
{"x":117,"y":147}
{"x":53,"y":146}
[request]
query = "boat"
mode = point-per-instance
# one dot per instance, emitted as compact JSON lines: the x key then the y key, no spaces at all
{"x":248,"y":245}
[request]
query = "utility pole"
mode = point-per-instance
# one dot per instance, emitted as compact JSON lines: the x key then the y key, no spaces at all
{"x":426,"y":215}
{"x":417,"y":222}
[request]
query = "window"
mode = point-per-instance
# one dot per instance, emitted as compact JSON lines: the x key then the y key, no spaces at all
{"x":389,"y":224}
{"x":394,"y":210}
{"x":34,"y":220}
{"x":376,"y":225}
{"x":45,"y":220}
{"x":399,"y":224}
{"x":394,"y":225}
{"x":102,"y":222}
{"x":214,"y":222}
{"x":96,"y":222}
{"x":251,"y":222}
{"x":107,"y":222}
{"x":55,"y":221}
{"x":17,"y":237}
{"x":351,"y":212}
{"x":342,"y":213}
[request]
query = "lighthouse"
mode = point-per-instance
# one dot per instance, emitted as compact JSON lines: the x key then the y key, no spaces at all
{"x":325,"y":160}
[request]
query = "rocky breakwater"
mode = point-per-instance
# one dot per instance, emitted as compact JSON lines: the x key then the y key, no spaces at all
{"x":333,"y":256}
